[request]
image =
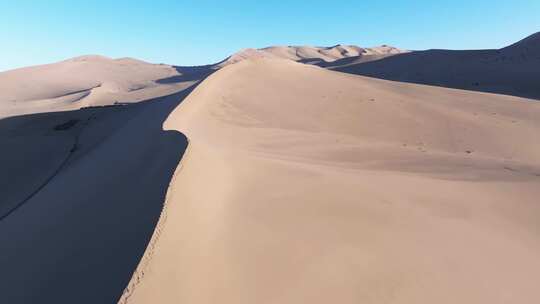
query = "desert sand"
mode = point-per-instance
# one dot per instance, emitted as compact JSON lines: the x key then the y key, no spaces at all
{"x":82,"y":190}
{"x":336,"y":188}
{"x":262,"y":179}
{"x":87,"y":81}
{"x":336,"y":55}
{"x":512,"y":70}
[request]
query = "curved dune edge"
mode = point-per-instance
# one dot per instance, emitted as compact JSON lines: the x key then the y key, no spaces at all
{"x":309,"y":186}
{"x":138,"y":274}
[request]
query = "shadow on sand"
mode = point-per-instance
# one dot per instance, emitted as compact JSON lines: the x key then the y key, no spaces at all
{"x":101,"y":185}
{"x":488,"y":71}
{"x":189,"y":74}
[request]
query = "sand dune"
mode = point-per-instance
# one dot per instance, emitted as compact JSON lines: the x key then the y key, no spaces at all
{"x":82,"y":82}
{"x":514,"y":70}
{"x":75,"y":222}
{"x":322,"y":56}
{"x":339,"y":188}
{"x":82,"y":190}
{"x":300,"y":184}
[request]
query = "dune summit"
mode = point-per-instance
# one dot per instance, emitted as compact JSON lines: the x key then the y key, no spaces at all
{"x":279,"y":175}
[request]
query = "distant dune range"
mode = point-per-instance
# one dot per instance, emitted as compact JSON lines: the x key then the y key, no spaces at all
{"x":322,"y":56}
{"x":513,"y":70}
{"x":301,"y":184}
{"x":90,"y":81}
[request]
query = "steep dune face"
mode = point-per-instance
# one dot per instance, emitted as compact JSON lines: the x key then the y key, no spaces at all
{"x":79,"y":204}
{"x":526,"y":49}
{"x":82,"y":82}
{"x":514,"y":70}
{"x":305,"y":185}
{"x":81,"y":190}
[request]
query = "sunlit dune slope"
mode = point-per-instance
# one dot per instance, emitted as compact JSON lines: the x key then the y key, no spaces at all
{"x":82,"y":82}
{"x":303,"y":185}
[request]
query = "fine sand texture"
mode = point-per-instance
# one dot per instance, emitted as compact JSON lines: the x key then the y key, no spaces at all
{"x":304,"y":185}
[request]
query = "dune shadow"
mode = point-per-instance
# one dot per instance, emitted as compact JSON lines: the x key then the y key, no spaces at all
{"x":342,"y":61}
{"x":93,"y":186}
{"x":189,"y":73}
{"x":489,"y":71}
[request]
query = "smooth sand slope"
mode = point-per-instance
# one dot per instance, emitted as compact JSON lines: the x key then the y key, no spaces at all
{"x":303,"y":185}
{"x":513,"y":70}
{"x":86,"y":81}
{"x":81,"y":191}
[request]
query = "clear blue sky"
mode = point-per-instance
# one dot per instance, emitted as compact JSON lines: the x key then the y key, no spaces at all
{"x":198,"y":32}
